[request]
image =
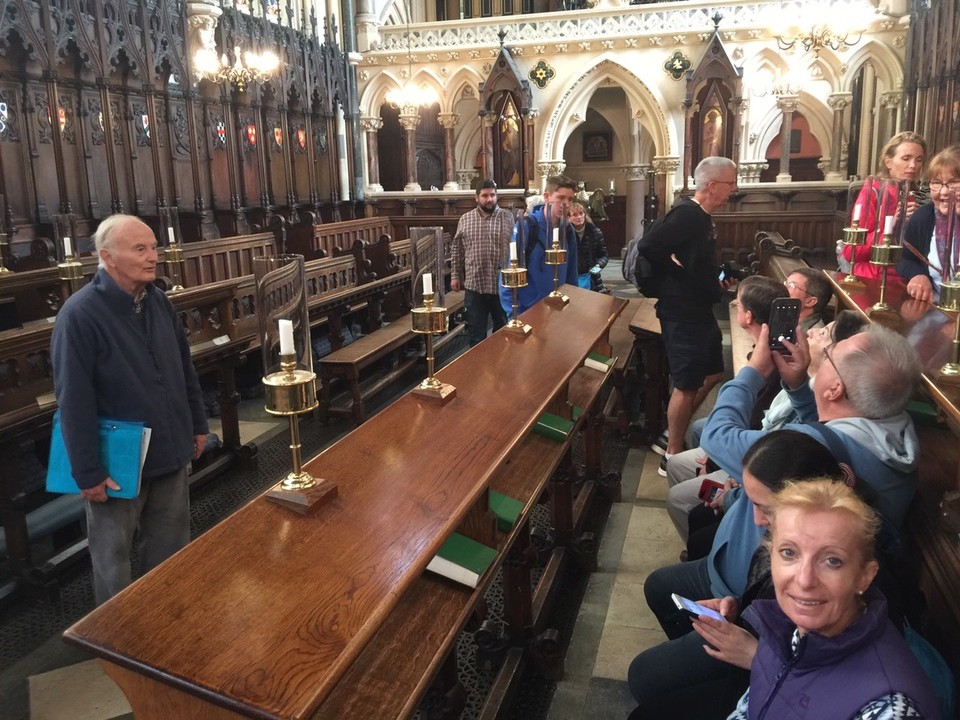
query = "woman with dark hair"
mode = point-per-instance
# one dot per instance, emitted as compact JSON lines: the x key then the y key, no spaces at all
{"x":902,"y":160}
{"x":678,"y":678}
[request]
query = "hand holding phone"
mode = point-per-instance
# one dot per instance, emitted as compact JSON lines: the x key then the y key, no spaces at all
{"x":697,"y":609}
{"x":784,"y":316}
{"x":709,"y":490}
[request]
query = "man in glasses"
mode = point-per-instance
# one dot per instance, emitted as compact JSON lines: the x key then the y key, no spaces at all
{"x":813,"y":290}
{"x":683,"y":245}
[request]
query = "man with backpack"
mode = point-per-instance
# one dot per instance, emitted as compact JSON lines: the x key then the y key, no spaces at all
{"x":679,"y":251}
{"x":534,"y":234}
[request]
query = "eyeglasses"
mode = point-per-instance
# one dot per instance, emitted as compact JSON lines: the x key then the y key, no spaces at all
{"x":826,"y":353}
{"x":938,"y":185}
{"x":792,"y":285}
{"x":724,"y":182}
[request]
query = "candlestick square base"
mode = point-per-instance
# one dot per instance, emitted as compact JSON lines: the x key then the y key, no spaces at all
{"x":516,"y":327}
{"x":305,"y":500}
{"x":437,"y":395}
{"x":558,"y":300}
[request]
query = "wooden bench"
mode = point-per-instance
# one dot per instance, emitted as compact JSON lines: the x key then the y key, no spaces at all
{"x":348,"y":362}
{"x":649,"y":343}
{"x":623,"y":343}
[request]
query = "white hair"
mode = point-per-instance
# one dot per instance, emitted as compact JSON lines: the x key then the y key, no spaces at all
{"x":103,"y":237}
{"x":711,"y":168}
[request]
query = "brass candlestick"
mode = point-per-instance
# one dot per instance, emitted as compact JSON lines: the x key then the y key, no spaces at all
{"x":71,"y":273}
{"x":291,"y":392}
{"x":4,"y":245}
{"x":173,"y":257}
{"x":950,"y":304}
{"x":885,"y":255}
{"x":556,"y":256}
{"x":515,"y":277}
{"x":429,"y":321}
{"x":853,"y":236}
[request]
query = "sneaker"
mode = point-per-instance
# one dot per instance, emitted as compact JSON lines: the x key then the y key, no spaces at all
{"x":662,"y":470}
{"x":659,"y":446}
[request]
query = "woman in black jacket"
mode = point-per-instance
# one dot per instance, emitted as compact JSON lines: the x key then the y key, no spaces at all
{"x":927,"y":232}
{"x":591,"y":249}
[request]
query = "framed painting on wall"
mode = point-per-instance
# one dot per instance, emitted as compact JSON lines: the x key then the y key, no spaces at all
{"x":597,"y":146}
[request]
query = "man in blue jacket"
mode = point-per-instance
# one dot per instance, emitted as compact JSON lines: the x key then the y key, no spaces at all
{"x":534,"y":234}
{"x":856,"y":408}
{"x":119,"y":351}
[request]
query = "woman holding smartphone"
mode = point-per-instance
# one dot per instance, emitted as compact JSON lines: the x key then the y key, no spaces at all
{"x":827,"y":648}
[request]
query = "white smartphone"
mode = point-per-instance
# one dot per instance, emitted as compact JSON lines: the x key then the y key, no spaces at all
{"x":696,"y":608}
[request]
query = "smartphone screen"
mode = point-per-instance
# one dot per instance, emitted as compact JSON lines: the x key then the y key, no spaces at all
{"x":784,"y":315}
{"x":722,"y":276}
{"x":695,"y":608}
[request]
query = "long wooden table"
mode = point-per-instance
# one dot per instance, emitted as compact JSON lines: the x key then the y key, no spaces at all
{"x":262,"y":615}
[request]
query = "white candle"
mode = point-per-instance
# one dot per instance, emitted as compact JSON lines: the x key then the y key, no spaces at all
{"x":556,"y":235}
{"x":427,"y":284}
{"x":170,"y":236}
{"x":888,"y":225}
{"x":286,"y":337}
{"x":67,"y":247}
{"x":613,"y":188}
{"x":856,"y":212}
{"x":513,"y":250}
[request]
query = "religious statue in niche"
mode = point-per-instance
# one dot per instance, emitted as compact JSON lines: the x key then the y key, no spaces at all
{"x":510,"y":150}
{"x":711,"y":139}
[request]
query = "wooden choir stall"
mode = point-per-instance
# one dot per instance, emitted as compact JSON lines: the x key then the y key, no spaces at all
{"x":271,"y":614}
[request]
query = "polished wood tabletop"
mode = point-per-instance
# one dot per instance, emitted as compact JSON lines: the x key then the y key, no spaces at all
{"x":645,"y":319}
{"x":264,"y":612}
{"x":929,"y":330}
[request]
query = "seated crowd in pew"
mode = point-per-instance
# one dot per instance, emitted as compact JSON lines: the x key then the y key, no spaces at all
{"x":806,"y":583}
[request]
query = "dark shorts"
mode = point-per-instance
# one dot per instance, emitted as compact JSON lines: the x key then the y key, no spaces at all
{"x":694,"y":351}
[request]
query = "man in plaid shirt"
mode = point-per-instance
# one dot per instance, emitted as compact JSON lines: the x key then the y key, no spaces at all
{"x":478,"y":251}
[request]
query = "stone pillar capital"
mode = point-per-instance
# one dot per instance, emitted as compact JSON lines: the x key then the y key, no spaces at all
{"x":787,"y":103}
{"x":448,"y":121}
{"x":371,"y":123}
{"x":838,"y":101}
{"x":408,"y":120}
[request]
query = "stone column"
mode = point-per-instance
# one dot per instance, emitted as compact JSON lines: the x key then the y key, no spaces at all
{"x":529,"y":125}
{"x":636,"y":187}
{"x":891,"y":102}
{"x":409,"y":119}
{"x":665,"y":171}
{"x":368,"y":28}
{"x":689,"y":108}
{"x":838,"y":102}
{"x":738,"y":108}
{"x":371,"y":125}
{"x":448,"y":121}
{"x":787,"y":105}
{"x":487,"y":119}
{"x":865,"y":152}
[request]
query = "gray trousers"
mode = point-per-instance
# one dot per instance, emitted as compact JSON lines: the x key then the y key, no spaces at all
{"x":160,"y":516}
{"x":683,"y":486}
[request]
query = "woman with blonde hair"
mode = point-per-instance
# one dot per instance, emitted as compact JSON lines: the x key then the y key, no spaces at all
{"x":828,"y":649}
{"x":901,"y":159}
